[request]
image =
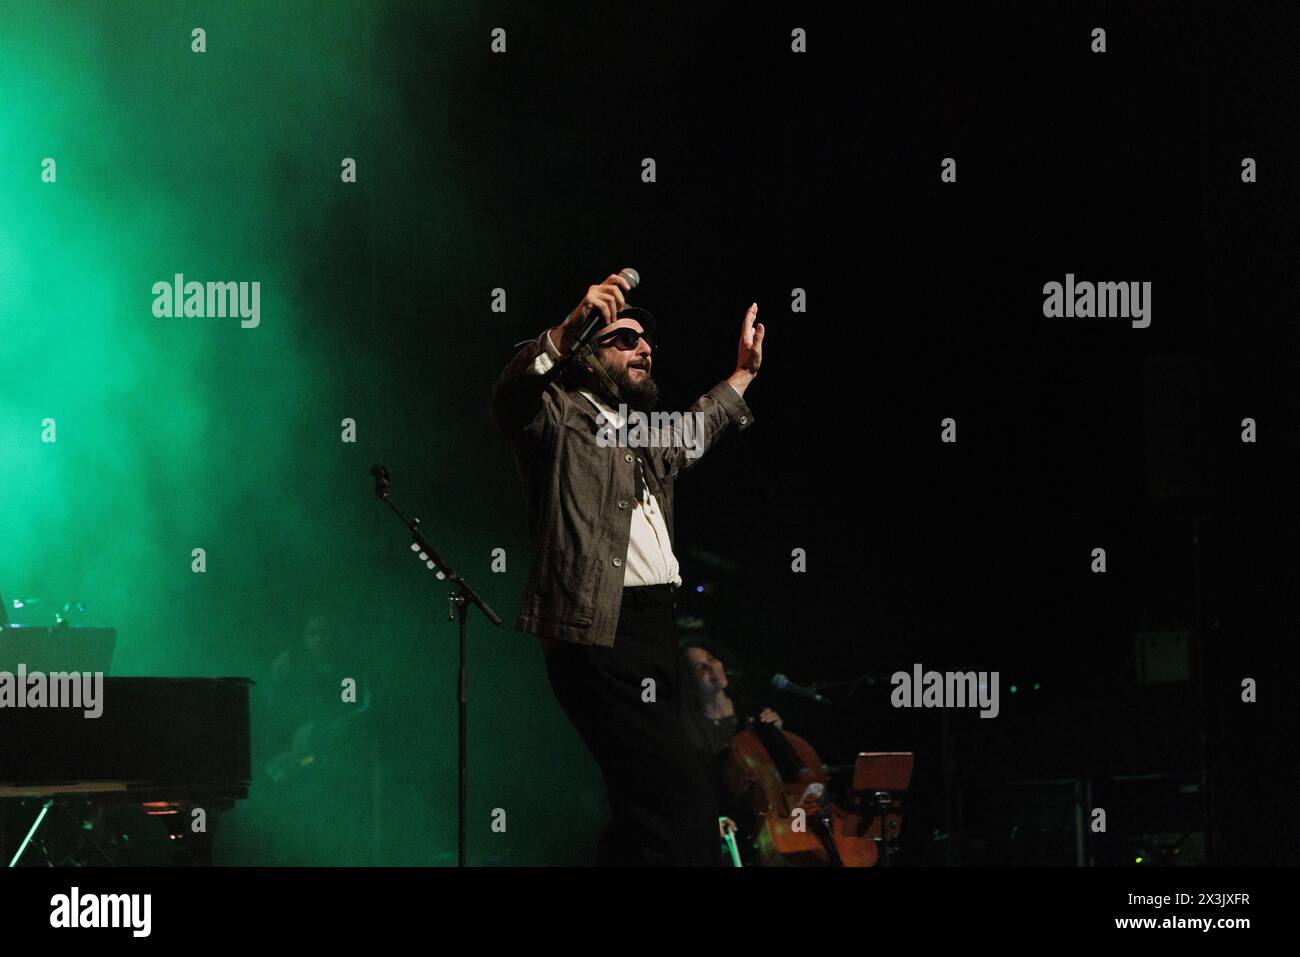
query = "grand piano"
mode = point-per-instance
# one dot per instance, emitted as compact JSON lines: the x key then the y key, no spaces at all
{"x":169,"y":745}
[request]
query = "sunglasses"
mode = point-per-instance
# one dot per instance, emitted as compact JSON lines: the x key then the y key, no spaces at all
{"x":625,"y":338}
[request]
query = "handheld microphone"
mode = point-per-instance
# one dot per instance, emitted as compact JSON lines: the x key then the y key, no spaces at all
{"x":595,"y":319}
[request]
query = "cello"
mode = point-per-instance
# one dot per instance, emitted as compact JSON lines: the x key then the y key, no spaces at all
{"x":784,"y":782}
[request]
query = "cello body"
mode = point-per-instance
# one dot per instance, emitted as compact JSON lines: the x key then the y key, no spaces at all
{"x":782,"y":778}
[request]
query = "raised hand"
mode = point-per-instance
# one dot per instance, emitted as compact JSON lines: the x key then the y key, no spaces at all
{"x":606,"y":297}
{"x":749,"y":354}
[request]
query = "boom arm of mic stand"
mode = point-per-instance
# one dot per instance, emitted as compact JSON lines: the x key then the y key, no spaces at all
{"x":413,"y":524}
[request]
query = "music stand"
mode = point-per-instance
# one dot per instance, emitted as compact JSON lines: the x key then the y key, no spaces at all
{"x":880,"y":782}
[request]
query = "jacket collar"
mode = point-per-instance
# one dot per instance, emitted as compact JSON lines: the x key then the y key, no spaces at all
{"x":611,"y":415}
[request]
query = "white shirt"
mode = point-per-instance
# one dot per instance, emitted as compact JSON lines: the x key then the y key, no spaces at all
{"x":650,"y":558}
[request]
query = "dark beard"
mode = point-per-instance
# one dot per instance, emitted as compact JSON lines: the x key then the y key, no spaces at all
{"x":642,"y":396}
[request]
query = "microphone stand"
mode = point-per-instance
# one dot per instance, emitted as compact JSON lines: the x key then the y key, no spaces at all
{"x":458,"y":610}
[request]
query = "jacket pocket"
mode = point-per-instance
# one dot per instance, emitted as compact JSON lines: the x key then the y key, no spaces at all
{"x":563,"y":588}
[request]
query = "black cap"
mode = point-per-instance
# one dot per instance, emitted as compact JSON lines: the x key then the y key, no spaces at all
{"x":644,"y":317}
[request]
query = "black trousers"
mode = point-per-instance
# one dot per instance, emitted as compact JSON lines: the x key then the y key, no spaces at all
{"x":663,"y":809}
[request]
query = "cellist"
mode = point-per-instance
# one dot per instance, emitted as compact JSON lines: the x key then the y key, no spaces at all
{"x":713,"y":713}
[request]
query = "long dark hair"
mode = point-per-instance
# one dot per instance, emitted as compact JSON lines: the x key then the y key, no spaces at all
{"x":692,"y":710}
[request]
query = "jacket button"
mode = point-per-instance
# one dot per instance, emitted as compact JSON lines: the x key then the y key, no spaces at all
{"x":622,"y":504}
{"x":628,"y":457}
{"x":618,"y":562}
{"x":744,"y":419}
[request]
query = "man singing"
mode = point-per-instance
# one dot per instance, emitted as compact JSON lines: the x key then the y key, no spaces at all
{"x":602,"y":588}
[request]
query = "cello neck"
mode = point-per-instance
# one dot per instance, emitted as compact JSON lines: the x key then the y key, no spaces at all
{"x":787,"y":761}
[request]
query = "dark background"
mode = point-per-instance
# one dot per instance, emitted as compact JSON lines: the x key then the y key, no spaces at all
{"x":822,"y":172}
